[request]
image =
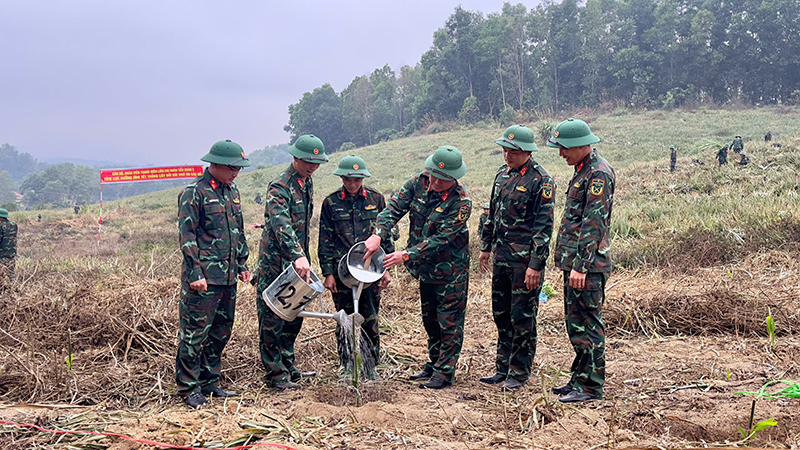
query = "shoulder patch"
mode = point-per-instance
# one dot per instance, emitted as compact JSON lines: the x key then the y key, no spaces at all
{"x":547,"y":190}
{"x":463,"y":213}
{"x":597,"y":186}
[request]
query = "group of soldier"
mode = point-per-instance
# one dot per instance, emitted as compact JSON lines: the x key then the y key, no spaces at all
{"x":517,"y":229}
{"x":737,"y":146}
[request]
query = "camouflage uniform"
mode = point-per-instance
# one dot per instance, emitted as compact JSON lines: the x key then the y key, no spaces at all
{"x":583,"y":246}
{"x":520,"y":226}
{"x":673,"y":157}
{"x":346,"y":219}
{"x":287,"y":217}
{"x":482,"y":223}
{"x":214,"y":248}
{"x":722,"y":156}
{"x":737,"y":145}
{"x":438,"y":256}
{"x":768,"y":136}
{"x":8,"y":248}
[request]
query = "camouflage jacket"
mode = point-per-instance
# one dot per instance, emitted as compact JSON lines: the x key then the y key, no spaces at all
{"x":481,"y":223}
{"x":737,"y":144}
{"x":520,"y":221}
{"x":673,"y":155}
{"x":287,"y":219}
{"x":345,"y":220}
{"x":583,"y":239}
{"x":438,"y":239}
{"x":211,"y":232}
{"x":8,"y":239}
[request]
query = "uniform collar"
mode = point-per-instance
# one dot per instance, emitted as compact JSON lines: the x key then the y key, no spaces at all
{"x":211,"y":180}
{"x":523,"y":169}
{"x":295,"y":175}
{"x":344,"y":194}
{"x":585,"y":161}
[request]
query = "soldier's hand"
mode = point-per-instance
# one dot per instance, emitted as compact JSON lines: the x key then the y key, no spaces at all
{"x":245,"y":276}
{"x":256,"y":225}
{"x":385,"y":280}
{"x":373,"y":244}
{"x":200,"y":285}
{"x":392,"y":259}
{"x":484,"y":261}
{"x":330,"y":284}
{"x":532,"y":278}
{"x":577,"y":280}
{"x":303,"y":268}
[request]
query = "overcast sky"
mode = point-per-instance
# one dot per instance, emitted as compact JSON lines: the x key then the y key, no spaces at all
{"x":158,"y":82}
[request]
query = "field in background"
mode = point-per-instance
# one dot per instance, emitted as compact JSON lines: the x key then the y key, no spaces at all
{"x":702,"y":256}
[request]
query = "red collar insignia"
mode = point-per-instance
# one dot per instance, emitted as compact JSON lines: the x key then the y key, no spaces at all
{"x":523,"y":170}
{"x":364,"y":192}
{"x":343,"y":194}
{"x":213,"y":184}
{"x":301,"y":183}
{"x":445,"y":195}
{"x":579,"y":167}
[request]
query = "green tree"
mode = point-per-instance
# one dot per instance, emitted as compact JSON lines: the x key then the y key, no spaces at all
{"x":7,"y":187}
{"x":319,"y":113}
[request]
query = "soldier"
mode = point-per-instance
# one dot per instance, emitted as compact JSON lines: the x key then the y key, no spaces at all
{"x":582,"y":252}
{"x":284,"y":241}
{"x":348,"y":216}
{"x":722,"y":155}
{"x":673,"y":157}
{"x":737,"y":144}
{"x":768,"y":136}
{"x":8,"y":246}
{"x":482,"y":219}
{"x":214,"y":254}
{"x":519,"y":228}
{"x":437,"y":255}
{"x":745,"y":160}
{"x":258,"y":199}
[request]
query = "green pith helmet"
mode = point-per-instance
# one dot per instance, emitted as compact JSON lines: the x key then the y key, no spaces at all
{"x":352,"y":166}
{"x":3,"y":213}
{"x":672,"y":147}
{"x":486,"y":205}
{"x":446,"y":163}
{"x":309,"y":148}
{"x":226,"y":153}
{"x":572,"y":133}
{"x":738,"y":137}
{"x":518,"y":137}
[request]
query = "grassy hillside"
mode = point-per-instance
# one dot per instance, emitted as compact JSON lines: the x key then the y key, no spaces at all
{"x":730,"y":209}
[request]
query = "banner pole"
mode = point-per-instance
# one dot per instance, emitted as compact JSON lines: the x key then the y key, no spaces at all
{"x":100,"y":227}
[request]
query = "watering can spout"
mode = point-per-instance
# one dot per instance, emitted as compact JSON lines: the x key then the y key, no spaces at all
{"x":340,"y":317}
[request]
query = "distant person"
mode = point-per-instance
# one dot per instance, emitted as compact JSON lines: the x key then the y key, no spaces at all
{"x":8,"y":246}
{"x":722,"y":155}
{"x":582,"y":252}
{"x":737,"y":145}
{"x":744,"y":160}
{"x":768,"y":136}
{"x":284,"y":242}
{"x":697,"y":162}
{"x":215,"y":254}
{"x":673,"y":157}
{"x":39,"y":218}
{"x":258,"y":199}
{"x":482,"y":219}
{"x":437,"y":255}
{"x":77,"y":209}
{"x":518,"y":229}
{"x":348,"y":216}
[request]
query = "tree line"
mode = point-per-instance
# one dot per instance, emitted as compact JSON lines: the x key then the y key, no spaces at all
{"x":572,"y":54}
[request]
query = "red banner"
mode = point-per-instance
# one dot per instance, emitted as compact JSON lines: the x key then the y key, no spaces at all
{"x":149,"y":174}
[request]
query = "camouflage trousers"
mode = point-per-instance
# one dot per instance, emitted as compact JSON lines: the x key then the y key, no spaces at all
{"x":443,"y":309}
{"x":514,"y":308}
{"x":583,"y":311}
{"x":672,"y":165}
{"x":276,"y":337}
{"x":206,"y":320}
{"x":368,"y":305}
{"x":723,"y":160}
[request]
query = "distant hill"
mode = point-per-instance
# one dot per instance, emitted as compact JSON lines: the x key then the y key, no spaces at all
{"x":93,"y":163}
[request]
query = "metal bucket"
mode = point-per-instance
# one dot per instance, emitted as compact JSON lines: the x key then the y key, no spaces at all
{"x":351,"y":267}
{"x":289,"y":294}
